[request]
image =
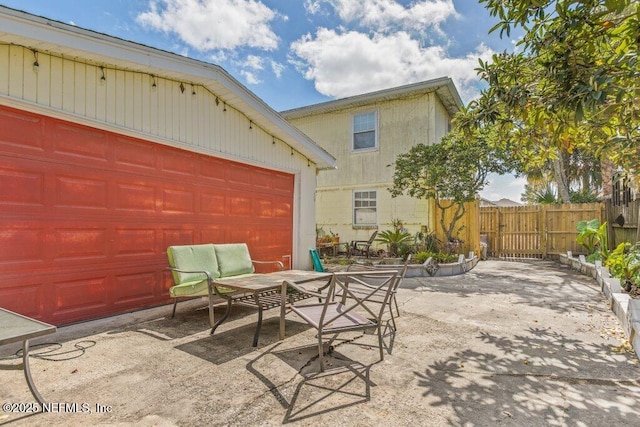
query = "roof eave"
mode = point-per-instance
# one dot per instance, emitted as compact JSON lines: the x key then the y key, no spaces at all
{"x":49,"y":35}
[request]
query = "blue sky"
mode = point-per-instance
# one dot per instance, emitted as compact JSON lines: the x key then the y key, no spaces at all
{"x":300,"y":52}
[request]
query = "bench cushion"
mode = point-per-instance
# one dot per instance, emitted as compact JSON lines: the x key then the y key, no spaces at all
{"x":193,"y":258}
{"x":233,"y":259}
{"x":195,"y":289}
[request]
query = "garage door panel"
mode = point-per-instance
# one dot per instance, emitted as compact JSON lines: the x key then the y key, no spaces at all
{"x":212,"y":234}
{"x":134,"y":242}
{"x":21,"y":186}
{"x":136,"y":288}
{"x":74,"y":191}
{"x":80,"y":244}
{"x":261,"y":181}
{"x":129,"y":154}
{"x":178,"y":201}
{"x":212,"y":171}
{"x":240,"y":205}
{"x":178,"y":236}
{"x":83,"y":143}
{"x":21,"y":242}
{"x":76,"y":298}
{"x":176,"y":162}
{"x":23,"y":296}
{"x":283,"y":210}
{"x":239,"y":176}
{"x":139,"y":197}
{"x":213,"y":202}
{"x":21,"y":132}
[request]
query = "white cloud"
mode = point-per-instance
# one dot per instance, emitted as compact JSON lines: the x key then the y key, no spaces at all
{"x":277,"y":68}
{"x":213,"y":24}
{"x":389,"y":15}
{"x":347,"y":63}
{"x":254,"y":62}
{"x":250,"y":77}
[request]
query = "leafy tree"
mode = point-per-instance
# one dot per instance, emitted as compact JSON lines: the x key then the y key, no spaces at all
{"x":451,"y":173}
{"x":573,"y":85}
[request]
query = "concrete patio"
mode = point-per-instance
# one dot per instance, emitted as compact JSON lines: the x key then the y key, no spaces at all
{"x":509,"y":343}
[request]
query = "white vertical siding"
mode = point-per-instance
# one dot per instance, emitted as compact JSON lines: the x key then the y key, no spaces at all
{"x":127,"y":100}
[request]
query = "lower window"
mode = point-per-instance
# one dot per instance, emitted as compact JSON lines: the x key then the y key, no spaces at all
{"x":365,"y":208}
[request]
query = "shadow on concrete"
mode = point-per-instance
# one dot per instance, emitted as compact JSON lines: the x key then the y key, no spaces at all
{"x":537,"y":284}
{"x":535,"y":377}
{"x":224,"y":346}
{"x":308,"y":392}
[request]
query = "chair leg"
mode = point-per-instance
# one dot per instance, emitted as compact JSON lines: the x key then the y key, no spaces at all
{"x":224,"y":317}
{"x":393,"y":320}
{"x":395,"y":301}
{"x":380,"y":342}
{"x":320,"y":352}
{"x":175,"y":303}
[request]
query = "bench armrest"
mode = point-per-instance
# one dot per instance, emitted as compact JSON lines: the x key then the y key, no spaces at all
{"x":279,"y":263}
{"x":212,"y":288}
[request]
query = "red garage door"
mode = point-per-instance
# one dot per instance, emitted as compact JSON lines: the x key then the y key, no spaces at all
{"x":86,"y":216}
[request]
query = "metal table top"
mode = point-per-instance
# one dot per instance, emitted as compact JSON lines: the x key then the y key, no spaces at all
{"x":15,"y":327}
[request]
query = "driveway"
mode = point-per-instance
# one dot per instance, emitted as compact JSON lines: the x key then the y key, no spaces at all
{"x":509,"y":343}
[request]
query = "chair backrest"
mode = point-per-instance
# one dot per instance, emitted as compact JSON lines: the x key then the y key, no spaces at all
{"x":377,"y":283}
{"x":373,"y":236}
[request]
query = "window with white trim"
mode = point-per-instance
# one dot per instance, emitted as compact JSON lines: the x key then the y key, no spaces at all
{"x":365,"y":208}
{"x":365,"y":131}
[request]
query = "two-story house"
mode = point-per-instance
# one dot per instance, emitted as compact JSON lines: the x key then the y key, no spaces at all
{"x":365,"y":133}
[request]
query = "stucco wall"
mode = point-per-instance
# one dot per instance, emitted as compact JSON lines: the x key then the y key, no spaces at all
{"x":402,"y":123}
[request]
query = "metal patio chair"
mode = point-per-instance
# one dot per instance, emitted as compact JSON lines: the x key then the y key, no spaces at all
{"x":362,"y":247}
{"x":359,"y":289}
{"x":345,"y":311}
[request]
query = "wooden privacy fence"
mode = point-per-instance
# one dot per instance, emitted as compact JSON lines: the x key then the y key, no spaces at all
{"x":622,"y":219}
{"x":536,"y":231}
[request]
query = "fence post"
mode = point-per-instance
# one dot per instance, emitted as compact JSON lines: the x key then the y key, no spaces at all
{"x":498,"y":248}
{"x":543,"y":231}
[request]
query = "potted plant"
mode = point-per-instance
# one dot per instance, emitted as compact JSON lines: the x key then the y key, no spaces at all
{"x":394,"y":239}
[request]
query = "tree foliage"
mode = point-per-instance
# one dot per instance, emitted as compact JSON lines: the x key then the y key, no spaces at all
{"x":573,"y":85}
{"x":451,"y":172}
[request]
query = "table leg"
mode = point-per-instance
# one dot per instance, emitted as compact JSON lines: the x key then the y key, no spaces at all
{"x":283,"y":308}
{"x":27,"y":372}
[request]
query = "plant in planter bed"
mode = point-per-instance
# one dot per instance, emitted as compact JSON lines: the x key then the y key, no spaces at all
{"x":624,"y":263}
{"x":593,"y":237}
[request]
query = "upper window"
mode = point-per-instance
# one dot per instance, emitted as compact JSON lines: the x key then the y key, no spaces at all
{"x":365,"y":131}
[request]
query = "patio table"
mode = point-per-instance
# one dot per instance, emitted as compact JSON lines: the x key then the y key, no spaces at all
{"x":257,"y":285}
{"x":15,"y":327}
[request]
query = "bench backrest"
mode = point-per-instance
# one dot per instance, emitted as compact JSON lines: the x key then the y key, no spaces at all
{"x":233,"y":259}
{"x":192,"y":258}
{"x":223,"y":260}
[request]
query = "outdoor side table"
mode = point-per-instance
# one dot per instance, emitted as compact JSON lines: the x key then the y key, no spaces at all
{"x":15,"y":327}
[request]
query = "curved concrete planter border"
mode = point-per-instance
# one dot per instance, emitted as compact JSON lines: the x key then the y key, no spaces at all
{"x":430,"y":268}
